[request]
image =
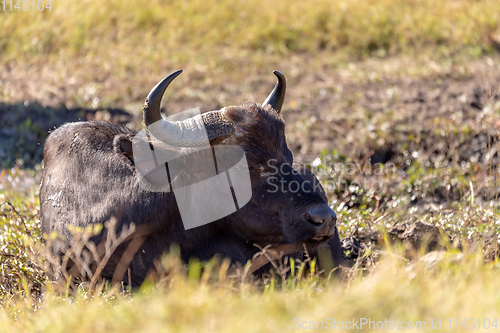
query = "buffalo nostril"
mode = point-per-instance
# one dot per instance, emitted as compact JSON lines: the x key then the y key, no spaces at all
{"x":308,"y":217}
{"x":320,"y":214}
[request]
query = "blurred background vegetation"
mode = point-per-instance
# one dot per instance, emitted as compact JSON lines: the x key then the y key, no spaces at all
{"x":155,"y":31}
{"x":124,"y":46}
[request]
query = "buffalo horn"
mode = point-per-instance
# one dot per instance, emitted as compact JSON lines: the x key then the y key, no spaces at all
{"x":189,"y":132}
{"x":277,"y":96}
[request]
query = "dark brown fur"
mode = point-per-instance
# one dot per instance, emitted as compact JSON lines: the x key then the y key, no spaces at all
{"x":89,"y":177}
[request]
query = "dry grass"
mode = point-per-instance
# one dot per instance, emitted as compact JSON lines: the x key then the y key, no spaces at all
{"x":102,"y":53}
{"x":453,"y":287}
{"x":173,"y":30}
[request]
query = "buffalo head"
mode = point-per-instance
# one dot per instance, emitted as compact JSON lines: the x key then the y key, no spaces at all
{"x":284,"y":207}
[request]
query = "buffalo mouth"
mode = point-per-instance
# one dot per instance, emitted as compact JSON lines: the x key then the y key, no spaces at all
{"x":276,"y":252}
{"x":315,"y":242}
{"x":321,"y":238}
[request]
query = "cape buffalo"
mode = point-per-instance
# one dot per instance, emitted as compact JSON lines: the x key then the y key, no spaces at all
{"x":90,"y":176}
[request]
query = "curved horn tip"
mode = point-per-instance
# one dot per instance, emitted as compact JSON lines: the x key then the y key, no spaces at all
{"x":163,"y":84}
{"x":151,"y":108}
{"x":279,"y":75}
{"x":277,"y":96}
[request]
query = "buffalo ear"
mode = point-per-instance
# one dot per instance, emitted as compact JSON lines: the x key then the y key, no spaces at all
{"x":123,"y":145}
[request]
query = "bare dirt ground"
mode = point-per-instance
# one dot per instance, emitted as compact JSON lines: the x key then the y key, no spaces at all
{"x":379,"y":111}
{"x":373,"y":109}
{"x":376,"y":118}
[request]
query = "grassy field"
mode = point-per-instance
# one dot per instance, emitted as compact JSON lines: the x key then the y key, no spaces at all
{"x":90,"y":53}
{"x":395,"y":105}
{"x":453,"y":289}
